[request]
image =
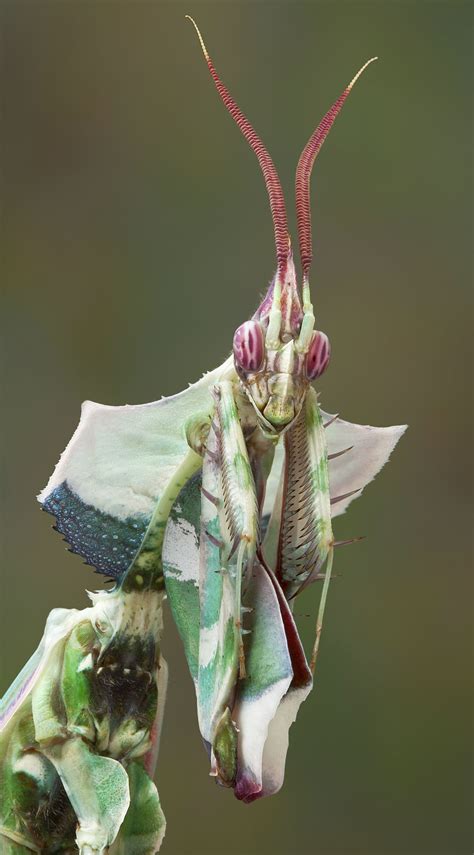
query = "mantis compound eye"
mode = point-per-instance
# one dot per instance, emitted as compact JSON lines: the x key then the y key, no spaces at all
{"x":249,"y":346}
{"x":318,"y":355}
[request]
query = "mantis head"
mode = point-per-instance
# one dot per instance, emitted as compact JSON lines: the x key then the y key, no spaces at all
{"x":278,"y":353}
{"x":280,"y":350}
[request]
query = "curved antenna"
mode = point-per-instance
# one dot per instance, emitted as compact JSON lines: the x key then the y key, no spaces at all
{"x":303,"y":176}
{"x":272,"y":182}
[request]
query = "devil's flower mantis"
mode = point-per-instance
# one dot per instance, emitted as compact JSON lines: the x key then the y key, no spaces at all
{"x":238,"y":479}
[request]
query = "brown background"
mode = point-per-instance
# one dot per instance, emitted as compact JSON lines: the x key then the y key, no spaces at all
{"x":137,"y":237}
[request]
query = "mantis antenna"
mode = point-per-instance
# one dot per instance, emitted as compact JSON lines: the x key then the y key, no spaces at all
{"x":272,"y":182}
{"x":303,"y":176}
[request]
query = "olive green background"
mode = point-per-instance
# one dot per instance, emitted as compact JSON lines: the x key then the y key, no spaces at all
{"x":137,"y":237}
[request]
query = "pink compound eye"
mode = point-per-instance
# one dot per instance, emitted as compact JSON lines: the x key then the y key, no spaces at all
{"x":249,"y":346}
{"x":318,"y":356}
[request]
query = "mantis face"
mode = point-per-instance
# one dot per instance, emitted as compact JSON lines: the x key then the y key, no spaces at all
{"x":275,"y":371}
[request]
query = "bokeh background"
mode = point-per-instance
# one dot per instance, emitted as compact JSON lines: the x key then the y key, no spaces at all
{"x":137,"y":237}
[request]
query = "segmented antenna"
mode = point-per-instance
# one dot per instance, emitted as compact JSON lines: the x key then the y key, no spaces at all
{"x":303,"y":175}
{"x":272,"y":182}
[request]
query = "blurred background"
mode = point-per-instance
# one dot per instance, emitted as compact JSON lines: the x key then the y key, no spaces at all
{"x":137,"y":237}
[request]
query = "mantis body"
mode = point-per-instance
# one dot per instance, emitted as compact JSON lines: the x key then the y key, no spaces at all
{"x":239,"y":479}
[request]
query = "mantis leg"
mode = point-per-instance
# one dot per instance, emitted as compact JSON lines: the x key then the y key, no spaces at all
{"x":237,"y":494}
{"x":144,"y":825}
{"x":147,"y":566}
{"x":303,"y":512}
{"x":229,"y":528}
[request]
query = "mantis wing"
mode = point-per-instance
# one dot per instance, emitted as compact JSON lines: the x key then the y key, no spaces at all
{"x":114,"y":470}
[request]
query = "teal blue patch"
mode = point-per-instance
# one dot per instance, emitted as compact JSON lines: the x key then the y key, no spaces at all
{"x":106,"y":543}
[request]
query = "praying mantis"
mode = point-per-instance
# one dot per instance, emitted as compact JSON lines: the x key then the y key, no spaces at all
{"x":223,"y":497}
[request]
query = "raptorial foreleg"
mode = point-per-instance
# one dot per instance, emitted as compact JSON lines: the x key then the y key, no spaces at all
{"x":229,"y":531}
{"x":303,"y":512}
{"x":238,"y":496}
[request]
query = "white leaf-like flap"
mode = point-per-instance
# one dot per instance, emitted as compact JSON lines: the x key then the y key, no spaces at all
{"x":370,"y":449}
{"x":114,"y":470}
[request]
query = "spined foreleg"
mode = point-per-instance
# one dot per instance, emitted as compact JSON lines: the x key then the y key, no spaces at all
{"x":303,"y":516}
{"x":237,"y":499}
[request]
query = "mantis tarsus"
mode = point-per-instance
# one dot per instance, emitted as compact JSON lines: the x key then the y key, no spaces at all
{"x":236,"y":480}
